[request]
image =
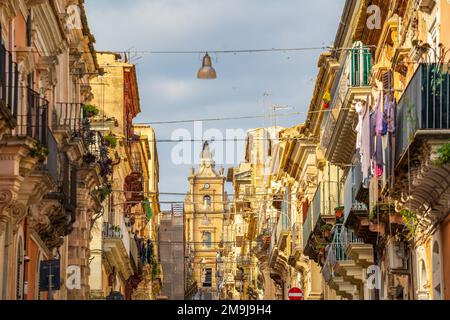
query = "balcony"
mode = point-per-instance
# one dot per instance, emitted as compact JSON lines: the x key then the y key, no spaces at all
{"x":358,"y":220}
{"x":424,"y":109}
{"x":68,"y":117}
{"x":116,"y":246}
{"x":320,"y":213}
{"x":296,"y":244}
{"x":9,"y":89}
{"x":34,"y":123}
{"x":135,"y":257}
{"x":283,"y":228}
{"x":351,"y":86}
{"x":341,"y":271}
{"x":423,"y":128}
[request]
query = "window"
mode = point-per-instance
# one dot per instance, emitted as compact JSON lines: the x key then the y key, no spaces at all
{"x":208,"y":278}
{"x":207,"y":202}
{"x":19,"y":270}
{"x":207,"y":239}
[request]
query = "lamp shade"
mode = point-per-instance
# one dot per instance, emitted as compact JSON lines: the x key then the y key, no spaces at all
{"x":207,"y":72}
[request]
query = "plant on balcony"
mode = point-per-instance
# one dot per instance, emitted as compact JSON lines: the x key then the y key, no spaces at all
{"x":326,"y":231}
{"x":320,"y":249}
{"x":444,"y":155}
{"x":381,"y":209}
{"x":40,"y":152}
{"x":104,"y":192}
{"x":90,"y":110}
{"x":326,"y":100}
{"x":110,"y":141}
{"x":438,"y":77}
{"x":411,"y":221}
{"x":339,"y":213}
{"x":118,"y":231}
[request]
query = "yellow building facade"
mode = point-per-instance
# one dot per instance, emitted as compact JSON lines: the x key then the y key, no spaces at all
{"x":206,"y":207}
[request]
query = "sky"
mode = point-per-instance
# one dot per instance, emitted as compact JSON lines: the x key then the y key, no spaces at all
{"x":248,"y":84}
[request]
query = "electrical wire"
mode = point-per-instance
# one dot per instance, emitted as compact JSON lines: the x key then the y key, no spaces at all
{"x":197,"y":52}
{"x":238,"y":118}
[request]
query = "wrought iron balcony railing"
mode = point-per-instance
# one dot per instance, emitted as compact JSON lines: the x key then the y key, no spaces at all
{"x":323,"y":204}
{"x":34,"y":122}
{"x":336,"y":252}
{"x":424,"y":106}
{"x":353,"y":73}
{"x":9,"y":83}
{"x":69,"y":117}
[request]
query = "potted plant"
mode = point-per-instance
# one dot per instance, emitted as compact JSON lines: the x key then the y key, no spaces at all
{"x":40,"y":152}
{"x":110,"y":141}
{"x":320,"y":248}
{"x":339,"y":213}
{"x":444,"y":155}
{"x":326,"y":100}
{"x":326,"y":231}
{"x":90,"y":110}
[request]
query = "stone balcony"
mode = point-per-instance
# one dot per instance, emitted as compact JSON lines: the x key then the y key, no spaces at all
{"x":422,"y":181}
{"x":116,"y":249}
{"x":350,"y":87}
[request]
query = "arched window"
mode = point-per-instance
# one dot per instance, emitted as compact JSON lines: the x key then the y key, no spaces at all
{"x":19,"y":270}
{"x":207,"y":202}
{"x":207,"y":239}
{"x":436,"y":264}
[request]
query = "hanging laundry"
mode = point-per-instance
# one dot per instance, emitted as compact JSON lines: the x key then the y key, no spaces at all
{"x":379,"y":157}
{"x":365,"y":140}
{"x":360,"y":111}
{"x":392,"y":140}
{"x":379,"y":116}
{"x":379,"y":126}
{"x":372,"y":127}
{"x":385,"y":110}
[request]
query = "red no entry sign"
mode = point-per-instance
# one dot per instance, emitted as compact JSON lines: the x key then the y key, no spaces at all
{"x":295,"y":294}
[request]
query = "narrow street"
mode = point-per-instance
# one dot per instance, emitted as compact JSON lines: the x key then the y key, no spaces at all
{"x":239,"y":150}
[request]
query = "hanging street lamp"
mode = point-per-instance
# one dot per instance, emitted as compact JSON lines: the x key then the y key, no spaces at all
{"x":207,"y":72}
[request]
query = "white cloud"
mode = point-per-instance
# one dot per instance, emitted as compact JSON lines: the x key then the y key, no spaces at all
{"x":168,"y":85}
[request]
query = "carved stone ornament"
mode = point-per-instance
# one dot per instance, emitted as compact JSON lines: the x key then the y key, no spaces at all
{"x":6,"y":198}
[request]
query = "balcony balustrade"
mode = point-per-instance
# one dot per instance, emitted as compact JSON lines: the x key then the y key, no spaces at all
{"x":339,"y":270}
{"x":424,"y":108}
{"x":283,"y":228}
{"x":34,"y":122}
{"x":320,"y":212}
{"x":9,"y":87}
{"x":68,"y":117}
{"x":116,"y":245}
{"x":350,"y":86}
